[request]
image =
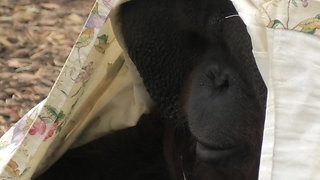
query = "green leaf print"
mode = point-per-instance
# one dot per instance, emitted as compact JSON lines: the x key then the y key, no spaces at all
{"x":309,"y":31}
{"x":274,"y":23}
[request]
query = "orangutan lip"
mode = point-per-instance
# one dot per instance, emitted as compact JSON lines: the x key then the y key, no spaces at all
{"x":211,"y":155}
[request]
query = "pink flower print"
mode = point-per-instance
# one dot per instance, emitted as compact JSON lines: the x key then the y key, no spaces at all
{"x":18,"y":132}
{"x":85,"y":75}
{"x":52,"y":130}
{"x":107,"y":3}
{"x":95,"y":20}
{"x":304,"y":3}
{"x":39,"y":126}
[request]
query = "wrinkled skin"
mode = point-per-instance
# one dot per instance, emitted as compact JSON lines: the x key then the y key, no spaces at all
{"x":198,"y":67}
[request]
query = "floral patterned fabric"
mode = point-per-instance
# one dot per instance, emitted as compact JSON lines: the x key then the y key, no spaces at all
{"x":286,"y":45}
{"x":291,"y":18}
{"x":98,"y":91}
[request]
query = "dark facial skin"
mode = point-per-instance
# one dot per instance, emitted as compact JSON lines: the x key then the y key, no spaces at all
{"x":208,"y":121}
{"x":225,"y":119}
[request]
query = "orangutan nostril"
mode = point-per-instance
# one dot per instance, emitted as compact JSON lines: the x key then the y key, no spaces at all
{"x":219,"y":78}
{"x":224,"y":86}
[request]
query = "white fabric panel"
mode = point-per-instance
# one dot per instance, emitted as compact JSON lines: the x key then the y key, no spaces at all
{"x":289,"y":63}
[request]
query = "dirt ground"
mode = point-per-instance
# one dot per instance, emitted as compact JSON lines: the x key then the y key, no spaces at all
{"x":36,"y":37}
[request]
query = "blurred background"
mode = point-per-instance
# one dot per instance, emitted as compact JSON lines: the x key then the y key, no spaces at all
{"x":36,"y":37}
